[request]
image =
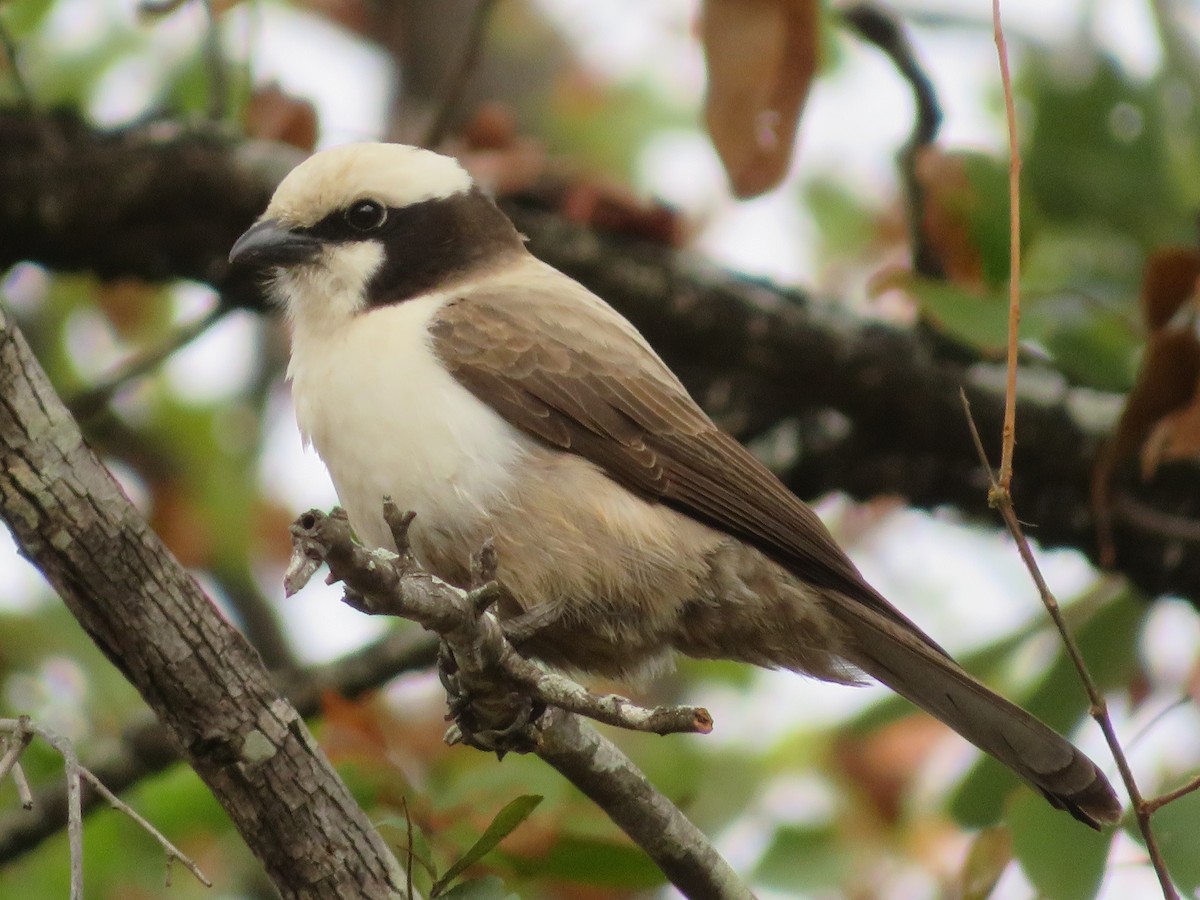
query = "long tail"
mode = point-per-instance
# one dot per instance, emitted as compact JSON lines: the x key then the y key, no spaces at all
{"x":913,"y":666}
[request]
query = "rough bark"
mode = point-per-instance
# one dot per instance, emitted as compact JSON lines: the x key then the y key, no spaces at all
{"x":203,"y":681}
{"x":874,"y":409}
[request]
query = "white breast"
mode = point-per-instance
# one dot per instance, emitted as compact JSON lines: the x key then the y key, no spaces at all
{"x":388,"y":419}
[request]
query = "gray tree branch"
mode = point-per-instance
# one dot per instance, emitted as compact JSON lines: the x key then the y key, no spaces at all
{"x":865,"y":408}
{"x":205,"y":684}
{"x":501,"y":686}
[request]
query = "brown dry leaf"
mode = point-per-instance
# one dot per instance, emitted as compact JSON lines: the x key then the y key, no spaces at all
{"x":1168,"y":281}
{"x":351,"y":726}
{"x":882,"y":763}
{"x":1160,"y":420}
{"x":761,"y":57}
{"x":1176,"y":436}
{"x":950,"y":205}
{"x":989,"y":856}
{"x":273,"y":115}
{"x":269,"y":533}
{"x":610,"y":207}
{"x":181,"y":525}
{"x":496,"y":155}
{"x":130,"y":305}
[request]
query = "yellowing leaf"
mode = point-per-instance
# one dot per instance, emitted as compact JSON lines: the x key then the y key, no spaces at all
{"x":761,"y":57}
{"x":989,"y":856}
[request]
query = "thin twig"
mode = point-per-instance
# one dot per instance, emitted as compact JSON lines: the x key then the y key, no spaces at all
{"x":24,"y":793}
{"x":440,"y":126}
{"x":18,"y":739}
{"x":24,"y":94}
{"x":74,"y":809}
{"x":173,"y":852}
{"x":882,"y":28}
{"x":88,"y":403}
{"x":408,"y":865}
{"x":1014,"y":254}
{"x":20,"y":731}
{"x":1154,"y":804}
{"x":145,"y":748}
{"x":1001,"y":499}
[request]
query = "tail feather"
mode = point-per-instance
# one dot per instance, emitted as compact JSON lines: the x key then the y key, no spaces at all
{"x":910,"y":665}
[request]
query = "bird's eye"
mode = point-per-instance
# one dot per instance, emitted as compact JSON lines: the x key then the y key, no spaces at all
{"x":366,"y":215}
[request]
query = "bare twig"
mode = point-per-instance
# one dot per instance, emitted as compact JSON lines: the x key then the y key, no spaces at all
{"x":19,"y":737}
{"x":90,"y":402}
{"x":24,"y":794}
{"x":883,"y":29}
{"x":1154,"y":804}
{"x":21,"y":731}
{"x":1014,"y":273}
{"x":173,"y":852}
{"x":440,"y":126}
{"x":1001,"y":499}
{"x":607,"y":776}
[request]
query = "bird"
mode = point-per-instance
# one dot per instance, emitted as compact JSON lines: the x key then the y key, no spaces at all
{"x":436,"y":361}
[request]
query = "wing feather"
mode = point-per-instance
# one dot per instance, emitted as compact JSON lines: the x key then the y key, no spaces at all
{"x":562,"y":366}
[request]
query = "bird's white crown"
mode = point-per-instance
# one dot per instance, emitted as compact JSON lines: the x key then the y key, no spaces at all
{"x":396,"y":175}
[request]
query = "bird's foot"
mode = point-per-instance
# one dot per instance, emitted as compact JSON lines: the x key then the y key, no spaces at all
{"x":493,"y":719}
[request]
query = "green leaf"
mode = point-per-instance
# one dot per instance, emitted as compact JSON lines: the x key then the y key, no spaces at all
{"x":594,"y":861}
{"x":487,"y":888}
{"x":1179,"y":840}
{"x":1064,"y":860}
{"x":975,"y":320}
{"x":1099,"y":150}
{"x":803,"y":859}
{"x":505,"y":822}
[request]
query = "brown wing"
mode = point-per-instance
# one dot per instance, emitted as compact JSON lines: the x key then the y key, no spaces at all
{"x":561,"y":365}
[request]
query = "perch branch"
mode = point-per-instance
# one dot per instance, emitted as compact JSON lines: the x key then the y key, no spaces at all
{"x":390,"y":584}
{"x":381,"y":582}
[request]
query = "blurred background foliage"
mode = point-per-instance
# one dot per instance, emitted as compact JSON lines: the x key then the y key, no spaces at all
{"x":864,"y":798}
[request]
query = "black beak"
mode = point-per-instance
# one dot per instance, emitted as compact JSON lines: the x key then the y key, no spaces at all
{"x":267,"y":243}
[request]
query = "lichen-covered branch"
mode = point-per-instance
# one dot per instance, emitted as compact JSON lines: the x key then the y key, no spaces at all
{"x":382,"y":583}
